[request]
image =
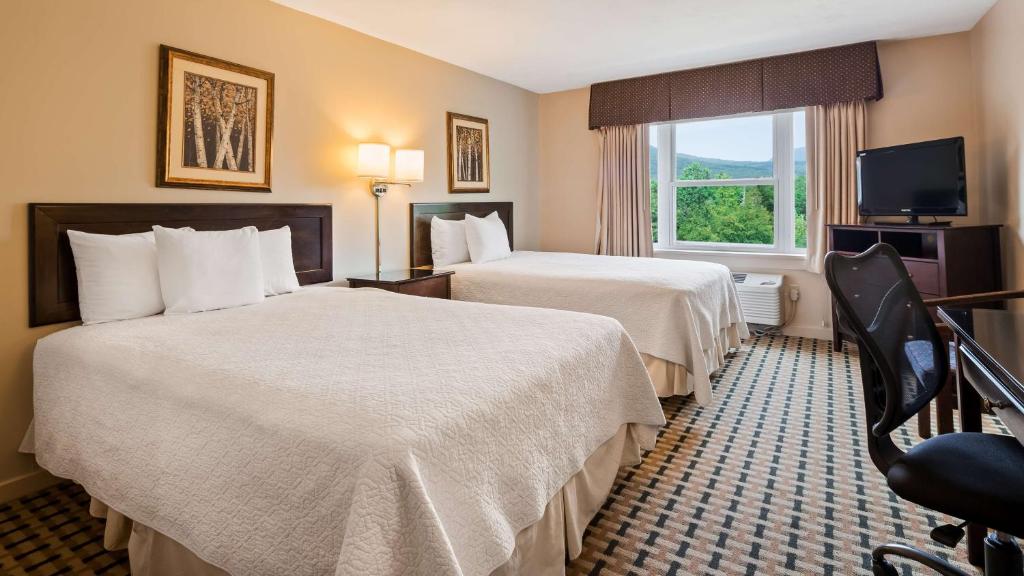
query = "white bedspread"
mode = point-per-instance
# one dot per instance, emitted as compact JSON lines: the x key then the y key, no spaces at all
{"x":683,"y":311}
{"x":338,"y":431}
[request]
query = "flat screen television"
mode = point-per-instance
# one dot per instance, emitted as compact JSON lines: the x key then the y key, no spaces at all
{"x":921,"y":179}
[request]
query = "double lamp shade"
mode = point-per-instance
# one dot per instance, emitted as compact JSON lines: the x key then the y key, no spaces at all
{"x":375,"y":162}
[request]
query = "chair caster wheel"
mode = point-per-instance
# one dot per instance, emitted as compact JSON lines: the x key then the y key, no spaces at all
{"x":883,"y":568}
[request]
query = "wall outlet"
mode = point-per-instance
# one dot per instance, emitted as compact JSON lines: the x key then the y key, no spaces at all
{"x":794,"y":293}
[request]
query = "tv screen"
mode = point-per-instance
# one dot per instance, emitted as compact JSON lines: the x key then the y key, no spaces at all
{"x":922,"y":179}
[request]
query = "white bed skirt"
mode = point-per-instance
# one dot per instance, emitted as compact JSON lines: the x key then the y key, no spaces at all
{"x":671,"y":379}
{"x":541,"y":548}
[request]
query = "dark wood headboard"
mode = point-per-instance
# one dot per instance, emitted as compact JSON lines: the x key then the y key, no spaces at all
{"x":53,"y":286}
{"x":419,"y":223}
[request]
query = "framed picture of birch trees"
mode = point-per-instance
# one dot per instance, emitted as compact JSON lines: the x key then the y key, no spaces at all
{"x":215,"y":125}
{"x":469,"y":156}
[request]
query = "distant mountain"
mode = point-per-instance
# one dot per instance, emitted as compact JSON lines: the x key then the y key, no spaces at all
{"x":734,"y":168}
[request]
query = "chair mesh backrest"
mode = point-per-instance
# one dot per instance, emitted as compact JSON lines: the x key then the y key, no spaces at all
{"x":879,"y":302}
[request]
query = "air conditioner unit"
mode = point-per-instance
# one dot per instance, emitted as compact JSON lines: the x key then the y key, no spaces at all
{"x":760,"y":297}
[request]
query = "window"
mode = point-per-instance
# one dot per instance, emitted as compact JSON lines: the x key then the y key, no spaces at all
{"x":737,"y":183}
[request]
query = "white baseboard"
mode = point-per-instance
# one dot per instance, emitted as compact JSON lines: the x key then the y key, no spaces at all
{"x":14,"y":488}
{"x":817,"y":332}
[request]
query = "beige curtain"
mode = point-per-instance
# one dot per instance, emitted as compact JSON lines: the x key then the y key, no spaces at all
{"x":835,"y":132}
{"x":624,"y":194}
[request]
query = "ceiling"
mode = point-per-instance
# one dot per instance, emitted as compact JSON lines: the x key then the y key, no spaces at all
{"x":552,"y":45}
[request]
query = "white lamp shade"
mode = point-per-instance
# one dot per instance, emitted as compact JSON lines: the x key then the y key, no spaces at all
{"x":374,"y":160}
{"x":409,"y":165}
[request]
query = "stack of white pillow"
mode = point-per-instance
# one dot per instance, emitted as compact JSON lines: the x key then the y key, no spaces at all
{"x":474,"y":239}
{"x":179,"y":270}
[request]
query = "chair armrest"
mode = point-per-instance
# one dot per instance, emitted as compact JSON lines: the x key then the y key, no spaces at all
{"x":967,"y":299}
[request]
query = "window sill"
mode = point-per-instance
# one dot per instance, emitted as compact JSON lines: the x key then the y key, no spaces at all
{"x":768,"y":261}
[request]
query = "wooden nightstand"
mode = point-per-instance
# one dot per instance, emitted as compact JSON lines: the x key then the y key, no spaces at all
{"x":417,"y":282}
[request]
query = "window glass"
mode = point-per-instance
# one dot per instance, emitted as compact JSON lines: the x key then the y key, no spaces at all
{"x":730,"y":214}
{"x":724,"y":149}
{"x":654,"y":182}
{"x":800,"y":179}
{"x":737,"y":183}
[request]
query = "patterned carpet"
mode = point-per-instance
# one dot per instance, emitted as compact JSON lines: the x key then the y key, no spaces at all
{"x":51,"y":532}
{"x":774,"y":478}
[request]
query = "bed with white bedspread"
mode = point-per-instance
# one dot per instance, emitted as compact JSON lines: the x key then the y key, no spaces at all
{"x":338,"y":431}
{"x":684,"y":316}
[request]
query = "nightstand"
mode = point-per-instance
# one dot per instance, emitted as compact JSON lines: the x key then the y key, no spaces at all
{"x":417,"y":282}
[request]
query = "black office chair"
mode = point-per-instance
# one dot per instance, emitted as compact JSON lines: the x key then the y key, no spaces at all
{"x":972,"y":476}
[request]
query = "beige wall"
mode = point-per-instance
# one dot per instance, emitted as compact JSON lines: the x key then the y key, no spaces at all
{"x":998,"y":50}
{"x":568,"y":172}
{"x":78,"y":116}
{"x":927,"y":95}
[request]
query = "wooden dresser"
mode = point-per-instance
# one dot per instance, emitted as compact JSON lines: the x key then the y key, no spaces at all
{"x":941,"y":260}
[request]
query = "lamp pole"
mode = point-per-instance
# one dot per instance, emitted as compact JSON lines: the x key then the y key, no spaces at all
{"x":378,"y":189}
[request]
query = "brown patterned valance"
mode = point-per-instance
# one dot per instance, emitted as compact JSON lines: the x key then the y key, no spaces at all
{"x":717,"y":91}
{"x":632,"y":101}
{"x":841,"y":74}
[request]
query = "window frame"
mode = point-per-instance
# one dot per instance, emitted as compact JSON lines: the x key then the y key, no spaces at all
{"x":783,"y":180}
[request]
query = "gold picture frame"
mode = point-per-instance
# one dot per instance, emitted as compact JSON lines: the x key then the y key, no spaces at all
{"x":215,"y":123}
{"x":469,"y":154}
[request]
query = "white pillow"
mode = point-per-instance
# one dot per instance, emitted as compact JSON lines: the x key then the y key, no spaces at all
{"x":278,"y":268}
{"x":448,"y":242}
{"x":208,"y":270}
{"x":117,"y":276}
{"x":487,"y":238}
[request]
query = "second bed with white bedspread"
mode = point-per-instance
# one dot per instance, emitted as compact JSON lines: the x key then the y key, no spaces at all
{"x":683,"y":312}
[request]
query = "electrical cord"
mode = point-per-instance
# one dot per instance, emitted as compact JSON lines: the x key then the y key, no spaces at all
{"x":777,"y":330}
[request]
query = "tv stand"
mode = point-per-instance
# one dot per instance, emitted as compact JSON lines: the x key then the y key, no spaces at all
{"x":942,"y":261}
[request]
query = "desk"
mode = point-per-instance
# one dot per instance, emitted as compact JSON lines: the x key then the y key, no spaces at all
{"x":990,"y":374}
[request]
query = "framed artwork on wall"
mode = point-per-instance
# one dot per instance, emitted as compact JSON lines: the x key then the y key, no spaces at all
{"x":215,"y":123}
{"x":469,"y":155}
